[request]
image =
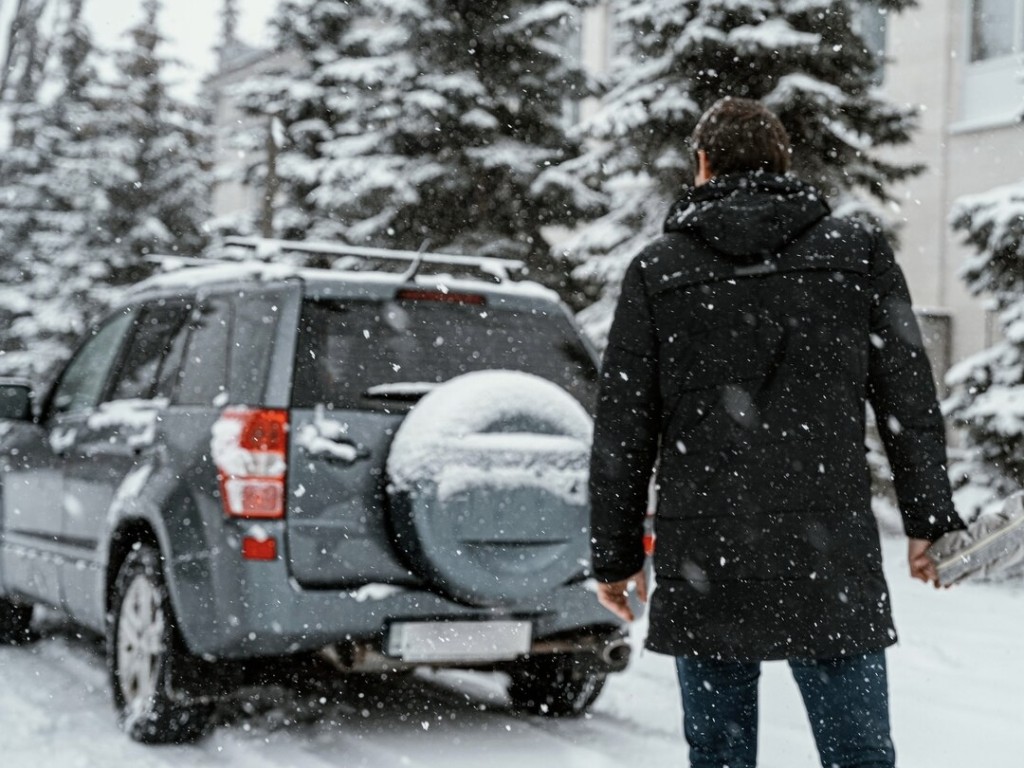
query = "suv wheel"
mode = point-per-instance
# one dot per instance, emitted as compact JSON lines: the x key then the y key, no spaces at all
{"x":556,"y":686}
{"x":14,"y":622}
{"x":142,"y":649}
{"x":490,"y":516}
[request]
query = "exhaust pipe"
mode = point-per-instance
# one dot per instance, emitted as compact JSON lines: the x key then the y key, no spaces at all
{"x":606,"y":653}
{"x":615,"y":654}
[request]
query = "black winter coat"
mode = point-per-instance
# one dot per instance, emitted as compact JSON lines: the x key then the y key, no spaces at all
{"x":746,"y":342}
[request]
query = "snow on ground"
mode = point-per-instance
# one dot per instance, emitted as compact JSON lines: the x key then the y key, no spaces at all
{"x":957,"y":682}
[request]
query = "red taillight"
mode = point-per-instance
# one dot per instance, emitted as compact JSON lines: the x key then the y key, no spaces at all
{"x":254,"y":548}
{"x":265,"y":431}
{"x":250,"y":450}
{"x":414,"y":294}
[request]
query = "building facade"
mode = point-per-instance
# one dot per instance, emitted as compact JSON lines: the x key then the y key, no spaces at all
{"x":963,"y":62}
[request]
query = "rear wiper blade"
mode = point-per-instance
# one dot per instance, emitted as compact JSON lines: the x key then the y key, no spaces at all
{"x":409,"y":391}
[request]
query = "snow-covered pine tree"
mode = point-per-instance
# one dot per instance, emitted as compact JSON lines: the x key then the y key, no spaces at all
{"x":19,"y":81}
{"x":156,"y":180}
{"x":433,"y":119}
{"x":987,"y":399}
{"x":298,"y":109}
{"x":806,"y":60}
{"x":48,"y":201}
{"x":27,"y":50}
{"x":20,"y":77}
{"x":229,"y":23}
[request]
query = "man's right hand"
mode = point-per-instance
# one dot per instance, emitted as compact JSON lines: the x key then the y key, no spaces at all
{"x":615,"y":595}
{"x":921,"y":566}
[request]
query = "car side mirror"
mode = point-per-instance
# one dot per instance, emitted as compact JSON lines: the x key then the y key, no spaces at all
{"x":15,"y":400}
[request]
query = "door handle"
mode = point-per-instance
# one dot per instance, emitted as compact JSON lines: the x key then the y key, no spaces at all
{"x":62,"y":439}
{"x":327,"y":439}
{"x":112,"y":449}
{"x":342,"y":451}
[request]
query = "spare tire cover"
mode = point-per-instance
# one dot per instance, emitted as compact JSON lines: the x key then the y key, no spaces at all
{"x":487,"y":478}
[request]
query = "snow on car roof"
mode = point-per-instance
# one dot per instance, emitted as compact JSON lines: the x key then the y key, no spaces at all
{"x":190,"y":277}
{"x":186,"y":275}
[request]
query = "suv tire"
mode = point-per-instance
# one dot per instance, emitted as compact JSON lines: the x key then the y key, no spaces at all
{"x":143,"y":648}
{"x":555,"y":686}
{"x":488,"y":518}
{"x":14,"y":622}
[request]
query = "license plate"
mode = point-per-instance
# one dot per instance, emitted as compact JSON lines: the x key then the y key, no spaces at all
{"x":459,"y":641}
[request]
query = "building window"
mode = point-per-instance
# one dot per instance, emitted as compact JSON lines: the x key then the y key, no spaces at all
{"x":997,"y":28}
{"x":993,"y":83}
{"x":871,"y":22}
{"x":937,"y":333}
{"x":572,"y":42}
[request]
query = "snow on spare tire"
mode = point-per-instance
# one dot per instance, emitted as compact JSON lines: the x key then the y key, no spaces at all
{"x":488,"y":486}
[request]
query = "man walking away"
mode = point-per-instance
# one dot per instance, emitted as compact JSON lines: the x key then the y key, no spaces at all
{"x":745,"y":343}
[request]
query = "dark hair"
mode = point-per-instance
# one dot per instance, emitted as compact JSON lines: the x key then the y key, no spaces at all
{"x":741,"y":135}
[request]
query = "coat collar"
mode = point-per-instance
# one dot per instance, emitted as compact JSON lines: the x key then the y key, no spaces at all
{"x":746,"y":216}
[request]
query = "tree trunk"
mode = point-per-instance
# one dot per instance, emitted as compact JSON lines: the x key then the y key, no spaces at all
{"x":270,"y":183}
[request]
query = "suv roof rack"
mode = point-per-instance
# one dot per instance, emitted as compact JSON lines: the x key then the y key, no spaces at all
{"x":264,"y":248}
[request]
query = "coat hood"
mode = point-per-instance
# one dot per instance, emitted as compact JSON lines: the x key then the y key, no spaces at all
{"x":747,"y":216}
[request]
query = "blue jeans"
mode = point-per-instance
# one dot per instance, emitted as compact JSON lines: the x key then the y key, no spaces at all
{"x":847,"y":702}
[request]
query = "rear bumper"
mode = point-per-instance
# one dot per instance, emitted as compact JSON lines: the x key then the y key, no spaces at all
{"x":254,"y":609}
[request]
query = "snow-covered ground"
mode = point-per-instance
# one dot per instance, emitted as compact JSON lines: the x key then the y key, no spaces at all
{"x":957,"y":682}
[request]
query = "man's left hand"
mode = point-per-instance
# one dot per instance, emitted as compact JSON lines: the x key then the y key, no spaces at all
{"x":615,"y":596}
{"x":921,"y":566}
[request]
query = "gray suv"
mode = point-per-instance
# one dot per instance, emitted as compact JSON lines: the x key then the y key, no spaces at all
{"x":248,"y":461}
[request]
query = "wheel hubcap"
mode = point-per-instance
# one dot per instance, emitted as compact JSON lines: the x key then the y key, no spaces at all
{"x":140,"y":643}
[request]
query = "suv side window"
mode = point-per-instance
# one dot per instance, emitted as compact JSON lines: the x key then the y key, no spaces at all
{"x":204,"y":372}
{"x":256,"y":314}
{"x":157,"y":329}
{"x":171,"y":368}
{"x":82,"y":383}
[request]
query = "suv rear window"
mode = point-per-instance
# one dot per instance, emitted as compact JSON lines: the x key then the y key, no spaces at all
{"x":348,"y":348}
